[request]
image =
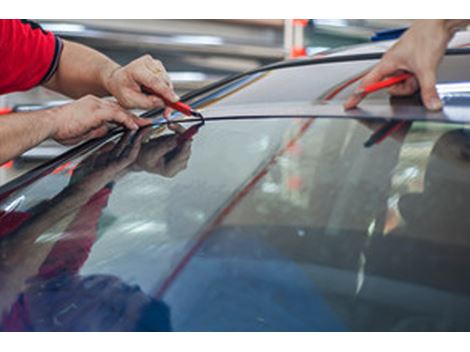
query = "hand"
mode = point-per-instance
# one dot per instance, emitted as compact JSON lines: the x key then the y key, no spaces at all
{"x":419,"y":51}
{"x":88,"y":118}
{"x":126,"y":83}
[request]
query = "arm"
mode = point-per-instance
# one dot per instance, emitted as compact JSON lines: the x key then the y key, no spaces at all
{"x":419,"y":51}
{"x":83,"y":119}
{"x":22,"y":131}
{"x":83,"y":70}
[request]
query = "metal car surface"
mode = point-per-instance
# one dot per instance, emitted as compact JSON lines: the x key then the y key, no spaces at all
{"x":271,"y":219}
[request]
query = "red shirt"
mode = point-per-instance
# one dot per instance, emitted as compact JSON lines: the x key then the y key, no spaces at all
{"x":28,"y":55}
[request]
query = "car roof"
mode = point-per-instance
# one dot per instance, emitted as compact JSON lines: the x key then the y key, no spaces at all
{"x":318,"y":87}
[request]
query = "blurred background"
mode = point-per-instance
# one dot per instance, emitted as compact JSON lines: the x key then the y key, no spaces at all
{"x":195,"y":53}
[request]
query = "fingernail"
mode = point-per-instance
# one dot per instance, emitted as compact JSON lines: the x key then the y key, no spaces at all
{"x":134,"y":127}
{"x":435,"y":104}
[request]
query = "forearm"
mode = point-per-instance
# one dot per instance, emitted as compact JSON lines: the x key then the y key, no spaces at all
{"x":22,"y":131}
{"x":454,"y":25}
{"x":447,"y":26}
{"x":81,"y":71}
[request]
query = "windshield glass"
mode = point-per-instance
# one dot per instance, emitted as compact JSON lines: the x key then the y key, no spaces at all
{"x":279,"y":224}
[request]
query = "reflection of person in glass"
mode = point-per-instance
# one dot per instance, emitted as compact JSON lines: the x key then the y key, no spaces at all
{"x":430,"y":250}
{"x":40,"y":288}
{"x":439,"y":212}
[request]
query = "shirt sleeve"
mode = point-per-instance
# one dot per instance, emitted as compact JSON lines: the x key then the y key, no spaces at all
{"x":29,"y":55}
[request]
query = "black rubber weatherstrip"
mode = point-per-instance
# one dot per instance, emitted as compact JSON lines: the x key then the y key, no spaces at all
{"x":287,"y":64}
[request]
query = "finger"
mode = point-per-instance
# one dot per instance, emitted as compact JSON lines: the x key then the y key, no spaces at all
{"x":81,"y":138}
{"x":99,"y":132}
{"x":157,"y":68}
{"x":167,"y":113}
{"x":154,"y":82}
{"x":76,"y":140}
{"x":427,"y":82}
{"x":142,"y":122}
{"x":409,"y":87}
{"x":120,"y":116}
{"x":141,"y":100}
{"x":375,"y":75}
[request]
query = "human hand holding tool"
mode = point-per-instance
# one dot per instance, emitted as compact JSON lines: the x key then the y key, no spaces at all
{"x":388,"y":82}
{"x":178,"y":106}
{"x":419,"y":51}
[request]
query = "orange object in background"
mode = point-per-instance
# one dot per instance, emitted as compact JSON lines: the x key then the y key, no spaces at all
{"x":300,"y":22}
{"x":298,"y":52}
{"x":294,"y":37}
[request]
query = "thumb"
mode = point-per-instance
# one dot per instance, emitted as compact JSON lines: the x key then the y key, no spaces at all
{"x":427,"y":82}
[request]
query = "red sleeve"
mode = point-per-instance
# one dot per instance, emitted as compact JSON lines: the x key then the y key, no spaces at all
{"x":28,"y":55}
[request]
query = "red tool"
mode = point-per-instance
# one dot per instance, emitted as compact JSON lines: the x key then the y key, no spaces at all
{"x":181,"y":107}
{"x":178,"y":106}
{"x":384,"y":84}
{"x":4,"y":111}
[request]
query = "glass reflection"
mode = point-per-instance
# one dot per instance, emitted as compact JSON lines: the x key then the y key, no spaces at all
{"x":40,"y":285}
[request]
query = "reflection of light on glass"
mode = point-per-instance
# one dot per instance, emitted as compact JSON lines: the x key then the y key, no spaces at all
{"x":407,"y":175}
{"x":270,"y":187}
{"x":263,"y":143}
{"x":63,"y":27}
{"x":361,"y":272}
{"x":143,"y":226}
{"x":187,"y":76}
{"x":200,"y":39}
{"x":199,"y":215}
{"x":48,"y":237}
{"x":336,"y":23}
{"x":14,"y":204}
{"x":453,"y":88}
{"x":392,"y":202}
{"x":316,"y":49}
{"x":371,"y":228}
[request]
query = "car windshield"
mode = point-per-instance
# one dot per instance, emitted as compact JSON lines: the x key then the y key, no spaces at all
{"x":273,"y":215}
{"x":279,"y":224}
